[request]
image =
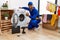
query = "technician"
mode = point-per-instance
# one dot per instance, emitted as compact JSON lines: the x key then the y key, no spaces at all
{"x":34,"y":15}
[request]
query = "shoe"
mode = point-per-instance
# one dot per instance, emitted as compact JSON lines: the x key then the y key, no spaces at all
{"x":36,"y":29}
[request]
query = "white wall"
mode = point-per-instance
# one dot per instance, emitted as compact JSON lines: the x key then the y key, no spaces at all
{"x":1,"y":2}
{"x":59,"y":2}
{"x":13,"y":4}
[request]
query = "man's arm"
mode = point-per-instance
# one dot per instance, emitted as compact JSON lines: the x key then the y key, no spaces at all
{"x":26,"y":8}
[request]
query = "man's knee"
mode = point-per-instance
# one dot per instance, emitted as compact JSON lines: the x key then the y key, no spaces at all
{"x":34,"y":22}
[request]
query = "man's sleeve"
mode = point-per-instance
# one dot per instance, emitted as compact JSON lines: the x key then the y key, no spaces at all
{"x":26,"y":8}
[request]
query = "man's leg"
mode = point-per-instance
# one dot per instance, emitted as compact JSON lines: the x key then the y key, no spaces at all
{"x":30,"y":26}
{"x":35,"y":24}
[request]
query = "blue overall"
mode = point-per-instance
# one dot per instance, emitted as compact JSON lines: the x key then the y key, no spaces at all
{"x":33,"y":14}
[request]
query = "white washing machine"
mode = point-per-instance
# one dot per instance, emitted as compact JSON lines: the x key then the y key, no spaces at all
{"x":21,"y":19}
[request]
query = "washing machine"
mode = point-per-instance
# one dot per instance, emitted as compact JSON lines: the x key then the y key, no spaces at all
{"x":19,"y":19}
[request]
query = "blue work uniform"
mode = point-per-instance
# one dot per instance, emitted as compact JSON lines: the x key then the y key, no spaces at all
{"x":33,"y":15}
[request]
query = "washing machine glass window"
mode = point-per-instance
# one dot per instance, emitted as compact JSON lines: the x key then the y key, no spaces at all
{"x":21,"y":17}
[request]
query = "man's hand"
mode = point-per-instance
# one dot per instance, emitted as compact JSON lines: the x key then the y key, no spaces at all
{"x":27,"y":14}
{"x":20,"y":7}
{"x":38,"y":18}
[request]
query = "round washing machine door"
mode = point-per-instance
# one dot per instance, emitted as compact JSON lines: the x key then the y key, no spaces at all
{"x":21,"y":17}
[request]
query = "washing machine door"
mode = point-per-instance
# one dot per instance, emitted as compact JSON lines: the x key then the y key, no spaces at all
{"x":15,"y":20}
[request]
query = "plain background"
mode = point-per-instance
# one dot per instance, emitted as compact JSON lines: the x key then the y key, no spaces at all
{"x":14,"y":4}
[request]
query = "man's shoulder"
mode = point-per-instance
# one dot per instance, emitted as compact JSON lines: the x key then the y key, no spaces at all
{"x":35,"y":9}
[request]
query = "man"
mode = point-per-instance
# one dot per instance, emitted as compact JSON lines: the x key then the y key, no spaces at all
{"x":34,"y":15}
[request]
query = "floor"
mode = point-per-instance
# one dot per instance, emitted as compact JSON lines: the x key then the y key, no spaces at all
{"x":41,"y":34}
